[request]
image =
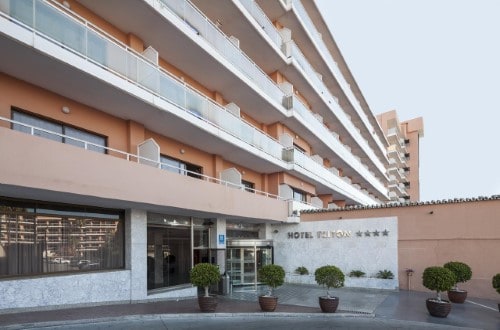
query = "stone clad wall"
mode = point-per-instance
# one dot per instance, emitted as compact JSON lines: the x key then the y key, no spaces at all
{"x":369,"y":245}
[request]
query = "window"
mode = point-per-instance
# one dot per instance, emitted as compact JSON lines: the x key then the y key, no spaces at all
{"x":38,"y":238}
{"x":249,"y":186}
{"x":180,"y":167}
{"x":299,"y":196}
{"x":53,"y":131}
{"x":169,"y":249}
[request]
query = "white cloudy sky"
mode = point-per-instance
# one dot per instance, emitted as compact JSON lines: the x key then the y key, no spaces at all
{"x":439,"y":59}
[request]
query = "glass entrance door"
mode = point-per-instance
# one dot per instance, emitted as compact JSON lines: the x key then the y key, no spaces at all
{"x":243,"y":263}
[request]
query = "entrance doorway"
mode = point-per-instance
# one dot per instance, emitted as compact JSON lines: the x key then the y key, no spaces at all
{"x":245,"y":258}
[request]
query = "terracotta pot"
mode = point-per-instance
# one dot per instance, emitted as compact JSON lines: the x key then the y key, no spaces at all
{"x":268,"y":303}
{"x":438,"y":309}
{"x":328,"y":305}
{"x":207,"y":304}
{"x":457,"y":296}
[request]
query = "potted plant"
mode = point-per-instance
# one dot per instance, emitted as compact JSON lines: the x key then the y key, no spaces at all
{"x":330,"y":277}
{"x":273,"y":276}
{"x":438,"y":279}
{"x":301,"y":270}
{"x":357,"y":273}
{"x":385,"y":274}
{"x":463,"y":273}
{"x":203,"y":275}
{"x":495,"y":281}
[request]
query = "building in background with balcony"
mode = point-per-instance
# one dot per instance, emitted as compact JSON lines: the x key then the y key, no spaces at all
{"x":404,"y":154}
{"x":141,"y":137}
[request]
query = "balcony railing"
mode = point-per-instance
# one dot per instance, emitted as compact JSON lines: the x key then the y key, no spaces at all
{"x":82,"y":38}
{"x":197,"y":21}
{"x":263,"y":20}
{"x":35,"y":131}
{"x":302,"y":13}
{"x":322,"y":173}
{"x":312,"y":75}
{"x":334,"y":143}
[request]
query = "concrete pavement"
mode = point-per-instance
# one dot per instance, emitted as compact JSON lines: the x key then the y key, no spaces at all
{"x":298,"y":309}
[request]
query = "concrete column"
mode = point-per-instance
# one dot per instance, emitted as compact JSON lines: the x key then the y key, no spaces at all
{"x":136,"y":252}
{"x":217,"y":241}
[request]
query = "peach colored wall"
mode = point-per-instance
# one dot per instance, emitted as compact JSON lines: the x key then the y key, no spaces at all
{"x":172,"y":148}
{"x":297,"y":183}
{"x":247,"y":174}
{"x":71,"y":171}
{"x":44,"y":103}
{"x":431,"y":235}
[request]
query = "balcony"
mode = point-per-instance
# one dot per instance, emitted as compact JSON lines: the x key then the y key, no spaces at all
{"x":248,"y":21}
{"x":328,"y":64}
{"x":202,"y":50}
{"x":347,"y":128}
{"x":351,"y":164}
{"x":75,"y":175}
{"x":52,"y":42}
{"x":325,"y":179}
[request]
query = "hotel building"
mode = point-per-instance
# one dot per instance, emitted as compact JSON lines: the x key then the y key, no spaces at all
{"x":140,"y":137}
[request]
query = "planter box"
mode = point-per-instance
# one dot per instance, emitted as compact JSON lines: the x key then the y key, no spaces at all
{"x":300,"y":279}
{"x":371,"y":283}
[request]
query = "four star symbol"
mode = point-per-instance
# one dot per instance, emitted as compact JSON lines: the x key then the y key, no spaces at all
{"x":376,"y":233}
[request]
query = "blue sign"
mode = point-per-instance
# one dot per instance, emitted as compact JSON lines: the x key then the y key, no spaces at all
{"x":221,"y":239}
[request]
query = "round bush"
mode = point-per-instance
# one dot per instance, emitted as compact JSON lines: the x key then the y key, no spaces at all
{"x":462,"y":271}
{"x":329,"y":276}
{"x":495,"y":281}
{"x":203,"y":275}
{"x":272,"y":275}
{"x":438,"y":279}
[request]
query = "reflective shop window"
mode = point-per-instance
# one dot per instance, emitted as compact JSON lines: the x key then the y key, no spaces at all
{"x":40,"y":238}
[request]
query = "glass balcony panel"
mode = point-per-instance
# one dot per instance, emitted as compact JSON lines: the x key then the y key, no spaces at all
{"x":22,"y":10}
{"x":59,"y":27}
{"x":172,"y":90}
{"x":267,"y":26}
{"x":148,"y":75}
{"x":194,"y":103}
{"x":90,"y":44}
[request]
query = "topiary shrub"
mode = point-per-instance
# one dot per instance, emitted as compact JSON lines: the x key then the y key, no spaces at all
{"x":203,"y":275}
{"x":301,"y":270}
{"x":385,"y":274}
{"x":330,"y":277}
{"x":438,"y":279}
{"x":495,"y":281}
{"x":273,"y":276}
{"x":462,"y":272}
{"x":357,"y":273}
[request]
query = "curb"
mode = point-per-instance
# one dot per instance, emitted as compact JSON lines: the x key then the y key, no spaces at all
{"x":191,"y":316}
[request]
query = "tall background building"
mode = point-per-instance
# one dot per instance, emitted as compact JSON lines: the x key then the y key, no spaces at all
{"x":144,"y":136}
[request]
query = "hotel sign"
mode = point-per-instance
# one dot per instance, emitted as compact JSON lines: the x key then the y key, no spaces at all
{"x":335,"y":234}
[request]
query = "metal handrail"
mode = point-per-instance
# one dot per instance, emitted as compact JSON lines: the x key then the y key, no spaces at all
{"x":137,"y":158}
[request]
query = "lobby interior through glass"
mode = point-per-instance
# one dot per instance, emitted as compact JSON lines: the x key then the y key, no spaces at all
{"x":176,"y":243}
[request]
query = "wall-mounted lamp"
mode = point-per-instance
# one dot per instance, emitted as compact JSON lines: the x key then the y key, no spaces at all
{"x":66,"y":4}
{"x":242,"y":172}
{"x":182,"y":151}
{"x":65,"y":109}
{"x":431,"y":212}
